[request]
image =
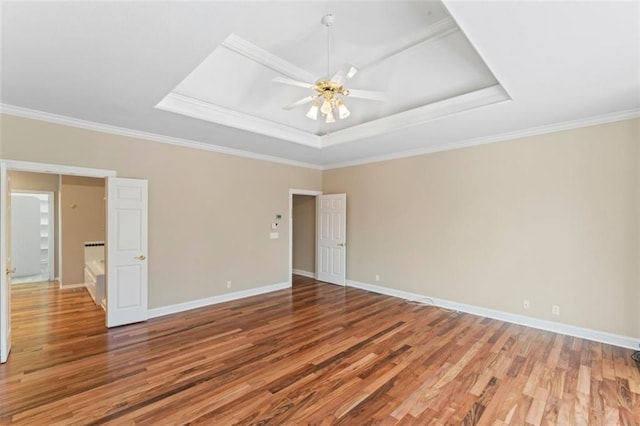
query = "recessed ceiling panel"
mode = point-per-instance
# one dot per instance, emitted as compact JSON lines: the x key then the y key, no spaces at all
{"x":232,"y":81}
{"x":426,"y":62}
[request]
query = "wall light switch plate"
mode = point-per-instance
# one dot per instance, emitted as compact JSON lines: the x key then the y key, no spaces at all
{"x":274,"y":235}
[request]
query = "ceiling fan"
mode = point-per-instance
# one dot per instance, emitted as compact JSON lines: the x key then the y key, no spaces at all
{"x":329,"y":91}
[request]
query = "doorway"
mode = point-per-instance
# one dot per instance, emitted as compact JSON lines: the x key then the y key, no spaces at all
{"x":33,"y":240}
{"x":303,"y":229}
{"x":126,"y":260}
{"x":303,"y":219}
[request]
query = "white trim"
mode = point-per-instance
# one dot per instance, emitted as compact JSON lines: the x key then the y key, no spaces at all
{"x":5,"y":289}
{"x":479,"y":52}
{"x":66,"y":287}
{"x":293,"y":192}
{"x":58,"y":169}
{"x":60,"y":234}
{"x":303,"y":273}
{"x":154,"y":137}
{"x":192,"y":107}
{"x":532,"y":131}
{"x":555,"y":327}
{"x":199,"y":303}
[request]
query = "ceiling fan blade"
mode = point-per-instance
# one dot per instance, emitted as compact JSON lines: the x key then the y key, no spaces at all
{"x":346,"y":72}
{"x":291,"y":82}
{"x":302,"y":101}
{"x":367,"y":94}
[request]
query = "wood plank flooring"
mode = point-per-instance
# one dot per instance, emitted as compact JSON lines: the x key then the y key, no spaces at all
{"x":315,"y":354}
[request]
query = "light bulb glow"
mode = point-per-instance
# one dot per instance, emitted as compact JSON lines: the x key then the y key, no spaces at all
{"x":326,"y":107}
{"x":313,"y":112}
{"x":330,"y":118}
{"x":343,"y":111}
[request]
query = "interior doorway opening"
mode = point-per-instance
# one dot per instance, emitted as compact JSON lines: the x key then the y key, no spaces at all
{"x":7,"y":167}
{"x":33,"y":236}
{"x":303,"y":220}
{"x":302,"y":233}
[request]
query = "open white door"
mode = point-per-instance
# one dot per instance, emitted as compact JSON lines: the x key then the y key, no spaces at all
{"x":126,"y":251}
{"x":331,"y":223}
{"x":5,"y":265}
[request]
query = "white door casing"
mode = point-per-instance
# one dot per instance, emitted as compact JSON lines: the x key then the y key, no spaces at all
{"x":5,"y":265}
{"x":127,"y":293}
{"x":331,"y":234}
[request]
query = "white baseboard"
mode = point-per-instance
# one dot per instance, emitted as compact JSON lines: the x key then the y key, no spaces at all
{"x":304,"y":273}
{"x":193,"y":304}
{"x":569,"y":330}
{"x":64,"y":287}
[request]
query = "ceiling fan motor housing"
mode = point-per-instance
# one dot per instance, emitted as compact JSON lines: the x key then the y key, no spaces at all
{"x":328,"y":20}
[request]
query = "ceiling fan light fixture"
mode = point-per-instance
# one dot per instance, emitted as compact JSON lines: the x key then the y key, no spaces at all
{"x":343,"y":111}
{"x":330,"y":118}
{"x":326,"y":107}
{"x":313,"y":112}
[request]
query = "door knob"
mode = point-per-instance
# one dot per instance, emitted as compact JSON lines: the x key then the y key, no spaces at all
{"x":141,"y":257}
{"x":342,"y":244}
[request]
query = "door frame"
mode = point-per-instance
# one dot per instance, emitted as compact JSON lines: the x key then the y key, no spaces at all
{"x":27,"y":166}
{"x":293,"y":192}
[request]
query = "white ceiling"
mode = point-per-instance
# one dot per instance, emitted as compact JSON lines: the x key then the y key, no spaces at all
{"x":455,"y":74}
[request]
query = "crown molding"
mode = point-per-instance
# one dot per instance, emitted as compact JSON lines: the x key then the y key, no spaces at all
{"x":106,"y":128}
{"x":532,"y":131}
{"x":196,"y":108}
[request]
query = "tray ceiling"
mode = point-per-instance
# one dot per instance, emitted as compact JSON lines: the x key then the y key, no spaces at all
{"x":426,"y":68}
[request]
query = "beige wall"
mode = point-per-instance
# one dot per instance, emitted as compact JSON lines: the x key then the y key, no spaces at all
{"x":552,"y":218}
{"x":209,"y":213}
{"x":304,"y":233}
{"x":83,"y":219}
{"x":27,"y":181}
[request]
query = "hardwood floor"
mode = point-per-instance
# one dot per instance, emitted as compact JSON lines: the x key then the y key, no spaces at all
{"x":315,"y":354}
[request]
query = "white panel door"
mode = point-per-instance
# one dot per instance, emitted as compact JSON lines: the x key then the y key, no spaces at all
{"x":126,"y":251}
{"x":331,"y":224}
{"x":5,"y":264}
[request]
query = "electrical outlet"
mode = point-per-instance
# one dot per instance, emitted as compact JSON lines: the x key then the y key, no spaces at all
{"x":377,"y":277}
{"x":228,"y":284}
{"x":526,"y":304}
{"x":555,"y":309}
